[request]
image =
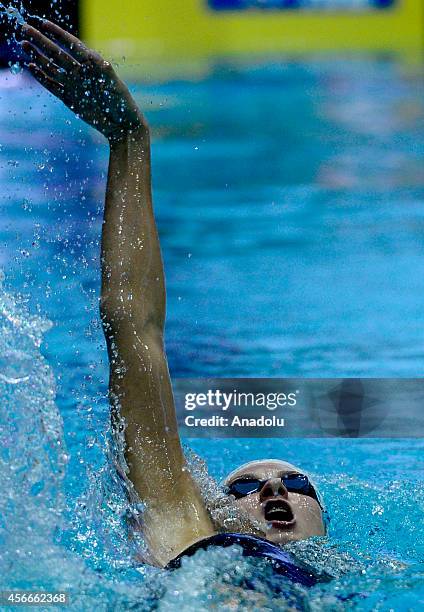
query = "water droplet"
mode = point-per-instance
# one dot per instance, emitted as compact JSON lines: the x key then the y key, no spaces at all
{"x":15,"y":68}
{"x":36,"y":488}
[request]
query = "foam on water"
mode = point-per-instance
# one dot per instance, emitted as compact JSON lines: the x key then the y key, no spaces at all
{"x":33,"y":456}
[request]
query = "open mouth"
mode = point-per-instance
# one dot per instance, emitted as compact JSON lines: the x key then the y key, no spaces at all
{"x":279,"y":513}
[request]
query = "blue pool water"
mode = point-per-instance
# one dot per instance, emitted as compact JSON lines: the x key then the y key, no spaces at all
{"x":290,"y":203}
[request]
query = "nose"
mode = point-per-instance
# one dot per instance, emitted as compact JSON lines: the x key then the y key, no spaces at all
{"x":272,"y":488}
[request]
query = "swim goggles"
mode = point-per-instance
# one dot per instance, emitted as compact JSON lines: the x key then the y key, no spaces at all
{"x":294,"y":483}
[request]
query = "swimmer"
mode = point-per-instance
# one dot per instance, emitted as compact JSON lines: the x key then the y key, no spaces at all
{"x":277,"y":496}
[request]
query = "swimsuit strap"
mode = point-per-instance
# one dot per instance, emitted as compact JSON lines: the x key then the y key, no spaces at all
{"x":282,"y":562}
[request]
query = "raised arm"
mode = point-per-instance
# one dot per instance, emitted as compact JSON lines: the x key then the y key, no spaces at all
{"x":133,"y":291}
{"x":133,"y":314}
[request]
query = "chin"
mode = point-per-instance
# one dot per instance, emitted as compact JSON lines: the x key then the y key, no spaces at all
{"x":282,"y":538}
{"x":279,"y":536}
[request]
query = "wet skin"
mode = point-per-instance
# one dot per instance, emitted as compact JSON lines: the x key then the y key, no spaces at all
{"x":284,"y":516}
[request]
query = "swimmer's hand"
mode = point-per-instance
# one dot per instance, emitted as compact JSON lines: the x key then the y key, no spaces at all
{"x":82,"y":79}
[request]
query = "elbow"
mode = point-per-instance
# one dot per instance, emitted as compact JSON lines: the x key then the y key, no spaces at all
{"x":120,"y":314}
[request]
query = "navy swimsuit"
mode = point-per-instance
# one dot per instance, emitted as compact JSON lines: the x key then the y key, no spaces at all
{"x":282,"y":562}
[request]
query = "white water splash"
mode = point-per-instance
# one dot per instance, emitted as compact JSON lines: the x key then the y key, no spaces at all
{"x":12,"y":13}
{"x":32,"y":453}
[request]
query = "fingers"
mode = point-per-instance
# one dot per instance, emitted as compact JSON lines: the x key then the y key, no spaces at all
{"x":40,"y":60}
{"x":49,"y":48}
{"x":71,"y":43}
{"x":53,"y":86}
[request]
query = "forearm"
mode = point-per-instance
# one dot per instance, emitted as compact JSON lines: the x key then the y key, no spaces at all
{"x":132,"y":269}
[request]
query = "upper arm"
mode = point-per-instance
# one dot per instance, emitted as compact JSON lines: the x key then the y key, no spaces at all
{"x":141,"y":394}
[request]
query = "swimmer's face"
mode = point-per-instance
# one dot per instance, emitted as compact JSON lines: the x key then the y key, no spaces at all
{"x":283,"y":515}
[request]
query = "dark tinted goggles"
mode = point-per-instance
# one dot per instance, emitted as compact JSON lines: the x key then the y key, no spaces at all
{"x":294,"y":483}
